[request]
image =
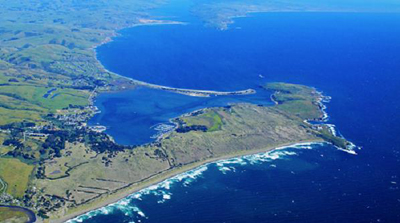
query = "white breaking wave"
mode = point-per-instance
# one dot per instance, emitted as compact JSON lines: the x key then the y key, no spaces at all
{"x":321,"y":101}
{"x":348,"y":151}
{"x":332,"y":129}
{"x":227,"y":165}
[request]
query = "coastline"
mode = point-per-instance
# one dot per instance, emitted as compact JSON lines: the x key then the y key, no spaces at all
{"x":156,"y":179}
{"x":170,"y":173}
{"x":184,"y":91}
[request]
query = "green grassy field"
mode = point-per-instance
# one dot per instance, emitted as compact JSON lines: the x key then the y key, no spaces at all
{"x":16,"y":175}
{"x":4,"y":149}
{"x":296,"y":99}
{"x":211,"y":119}
{"x":35,"y":95}
{"x":28,"y":103}
{"x":3,"y":186}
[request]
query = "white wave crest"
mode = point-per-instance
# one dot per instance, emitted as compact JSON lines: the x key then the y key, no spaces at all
{"x":352,"y":152}
{"x":228,"y":165}
{"x":332,"y":129}
{"x":350,"y":148}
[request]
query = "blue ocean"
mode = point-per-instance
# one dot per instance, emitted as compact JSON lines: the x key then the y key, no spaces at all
{"x":352,"y":57}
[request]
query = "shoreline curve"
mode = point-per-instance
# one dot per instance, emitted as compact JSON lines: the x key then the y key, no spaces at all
{"x":185,"y":91}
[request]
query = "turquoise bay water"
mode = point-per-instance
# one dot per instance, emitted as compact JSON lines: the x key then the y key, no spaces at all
{"x":352,"y":57}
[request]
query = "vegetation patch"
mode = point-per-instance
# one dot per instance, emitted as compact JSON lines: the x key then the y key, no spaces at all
{"x":329,"y":137}
{"x":9,"y":215}
{"x":209,"y":119}
{"x":298,"y":100}
{"x":16,"y":175}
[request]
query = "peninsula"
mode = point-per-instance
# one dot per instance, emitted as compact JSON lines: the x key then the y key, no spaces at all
{"x":82,"y":178}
